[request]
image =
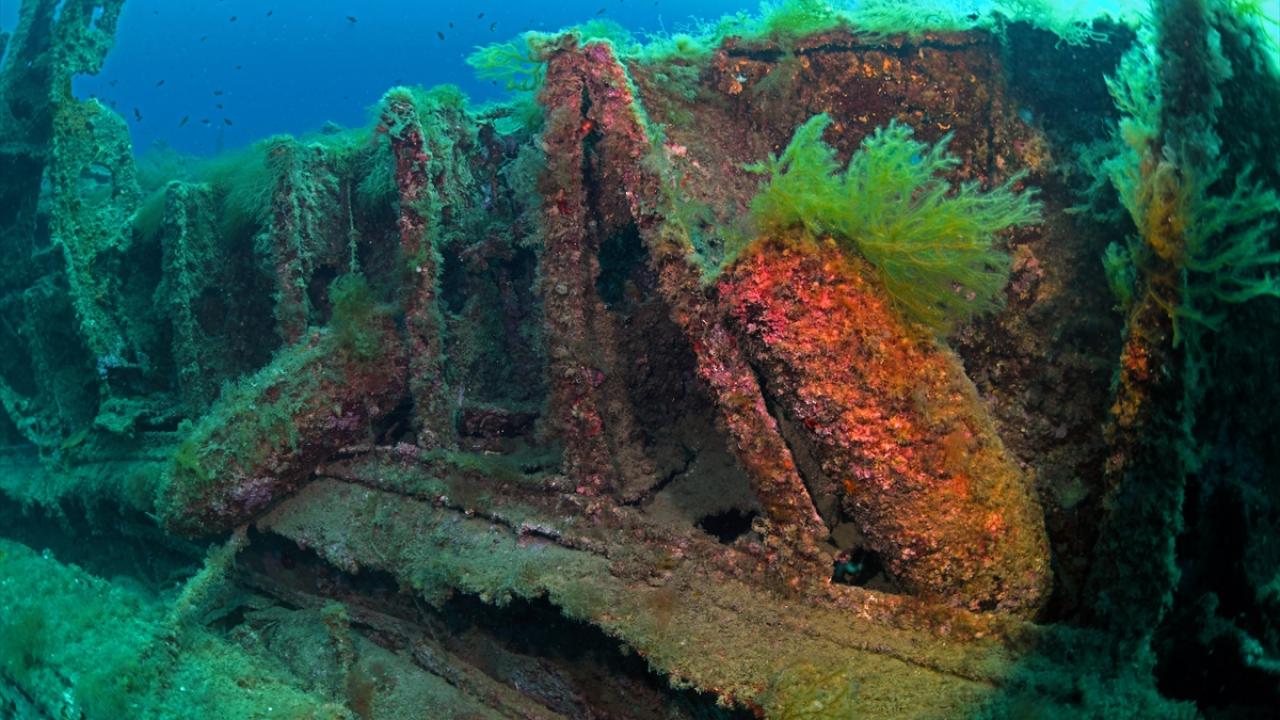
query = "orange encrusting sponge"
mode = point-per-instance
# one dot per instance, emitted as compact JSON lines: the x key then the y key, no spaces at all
{"x":895,"y":421}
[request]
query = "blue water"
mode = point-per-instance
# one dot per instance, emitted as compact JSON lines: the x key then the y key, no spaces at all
{"x":288,"y":66}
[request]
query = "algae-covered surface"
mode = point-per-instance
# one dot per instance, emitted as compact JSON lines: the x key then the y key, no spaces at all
{"x":886,"y":360}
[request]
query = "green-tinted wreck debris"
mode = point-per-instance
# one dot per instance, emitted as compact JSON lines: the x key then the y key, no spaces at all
{"x":267,"y":431}
{"x":77,"y":645}
{"x":885,"y":360}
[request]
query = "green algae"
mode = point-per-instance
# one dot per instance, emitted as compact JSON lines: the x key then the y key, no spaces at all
{"x":515,"y":63}
{"x":80,"y":646}
{"x":252,"y":418}
{"x":356,"y":316}
{"x":1121,"y":275}
{"x":242,"y":181}
{"x":1203,"y":312}
{"x":1190,"y":201}
{"x":691,"y":605}
{"x":893,"y":205}
{"x":375,"y":164}
{"x":518,"y":64}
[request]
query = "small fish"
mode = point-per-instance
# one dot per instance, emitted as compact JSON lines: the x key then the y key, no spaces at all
{"x":137,"y":114}
{"x":113,"y":83}
{"x":239,"y":66}
{"x":217,"y":92}
{"x":203,"y":38}
{"x":480,"y":16}
{"x":184,"y":120}
{"x":227,"y":121}
{"x":219,"y":106}
{"x":352,"y":19}
{"x":233,"y":18}
{"x":492,"y":25}
{"x":602,"y":11}
{"x":440,"y":35}
{"x":269,"y":13}
{"x":159,"y":84}
{"x":450,"y":26}
{"x":204,"y":121}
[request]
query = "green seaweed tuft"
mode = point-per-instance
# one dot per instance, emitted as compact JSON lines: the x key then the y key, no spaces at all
{"x":356,"y":316}
{"x":803,"y":188}
{"x":149,"y":217}
{"x":796,"y":18}
{"x":1122,"y":277}
{"x":162,"y":164}
{"x":930,"y":242}
{"x":377,"y":172}
{"x":515,"y":64}
{"x":1224,"y":223}
{"x":186,"y":461}
{"x":243,"y":182}
{"x":519,"y":65}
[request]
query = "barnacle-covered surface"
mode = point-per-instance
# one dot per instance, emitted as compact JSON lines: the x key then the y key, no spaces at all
{"x":500,"y":413}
